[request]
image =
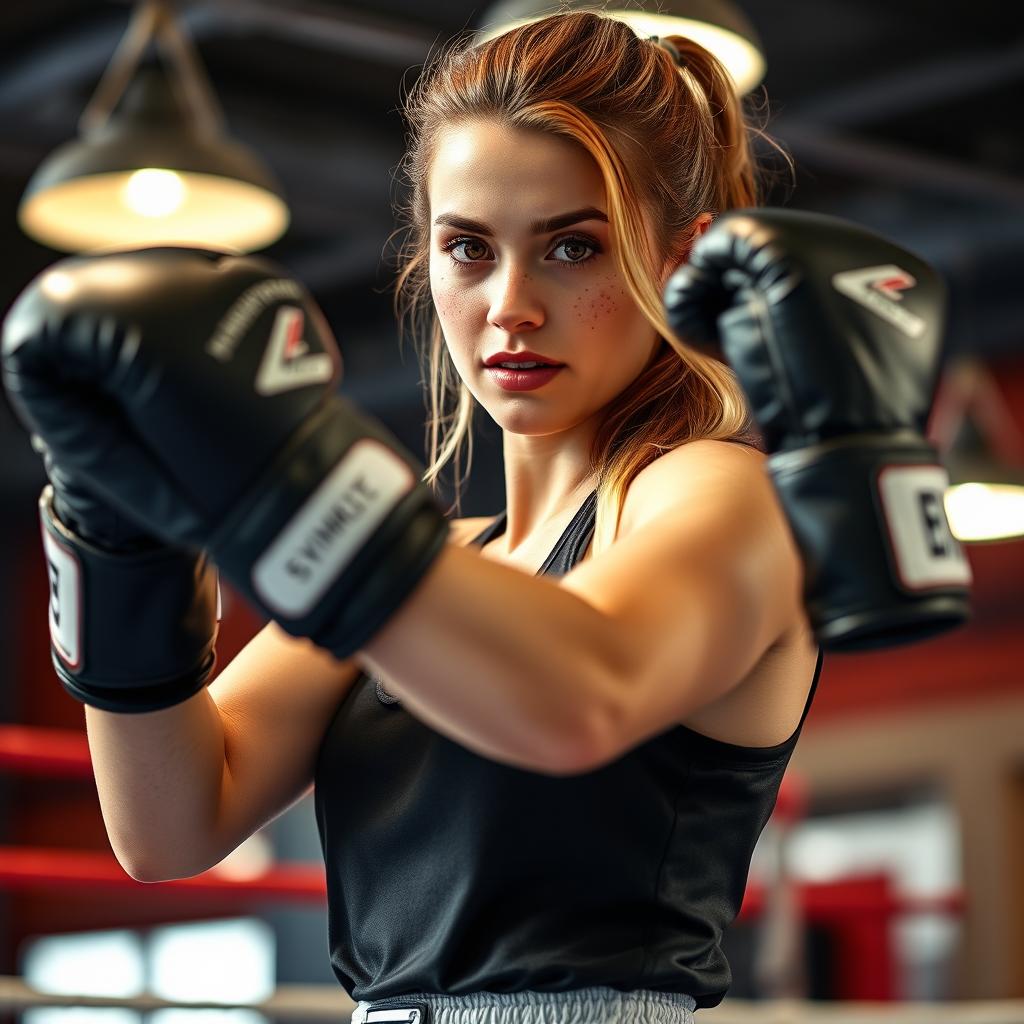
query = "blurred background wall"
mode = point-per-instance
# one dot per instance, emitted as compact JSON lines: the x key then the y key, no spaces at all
{"x":903,"y":117}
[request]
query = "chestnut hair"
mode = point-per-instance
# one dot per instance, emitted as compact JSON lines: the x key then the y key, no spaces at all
{"x":670,"y":139}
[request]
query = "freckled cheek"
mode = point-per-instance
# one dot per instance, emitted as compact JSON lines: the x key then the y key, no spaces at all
{"x":600,"y":302}
{"x":443,"y":303}
{"x":449,"y":300}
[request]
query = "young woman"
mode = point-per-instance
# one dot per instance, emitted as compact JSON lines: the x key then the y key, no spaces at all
{"x":540,"y":779}
{"x":483,"y":854}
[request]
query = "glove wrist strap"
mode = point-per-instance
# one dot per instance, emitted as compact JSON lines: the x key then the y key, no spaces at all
{"x":341,"y":537}
{"x":129,"y":632}
{"x":880,"y":563}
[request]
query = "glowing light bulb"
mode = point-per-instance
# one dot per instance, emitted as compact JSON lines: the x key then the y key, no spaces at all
{"x":154,"y":193}
{"x":979,"y":512}
{"x":57,"y":284}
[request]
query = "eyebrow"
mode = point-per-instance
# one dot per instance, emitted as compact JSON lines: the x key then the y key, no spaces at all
{"x":538,"y":227}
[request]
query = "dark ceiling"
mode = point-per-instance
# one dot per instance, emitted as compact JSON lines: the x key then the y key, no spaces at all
{"x":907,"y":117}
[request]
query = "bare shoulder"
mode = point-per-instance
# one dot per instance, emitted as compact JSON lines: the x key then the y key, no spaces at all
{"x":723,"y":493}
{"x":707,"y":456}
{"x":731,"y":481}
{"x":705,"y":466}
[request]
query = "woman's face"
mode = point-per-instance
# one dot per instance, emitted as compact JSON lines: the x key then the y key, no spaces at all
{"x":509,"y":283}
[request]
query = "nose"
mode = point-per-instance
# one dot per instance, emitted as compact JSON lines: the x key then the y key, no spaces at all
{"x":515,"y":305}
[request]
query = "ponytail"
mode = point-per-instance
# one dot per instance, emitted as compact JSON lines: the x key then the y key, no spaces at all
{"x":670,"y":140}
{"x":720,"y":108}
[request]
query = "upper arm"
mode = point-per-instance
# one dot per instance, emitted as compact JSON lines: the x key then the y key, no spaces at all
{"x":702,"y":580}
{"x":276,"y":698}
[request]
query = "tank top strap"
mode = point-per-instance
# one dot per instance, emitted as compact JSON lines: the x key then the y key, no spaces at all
{"x":570,"y":547}
{"x":493,"y":529}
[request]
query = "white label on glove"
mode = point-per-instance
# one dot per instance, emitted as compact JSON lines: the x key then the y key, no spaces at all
{"x":287,"y":362}
{"x":927,"y":553}
{"x":65,"y":600}
{"x":879,"y":289}
{"x":336,"y":520}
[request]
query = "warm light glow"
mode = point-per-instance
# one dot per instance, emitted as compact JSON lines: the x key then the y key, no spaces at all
{"x":57,"y":284}
{"x":979,"y":512}
{"x":92,"y":214}
{"x":741,"y":59}
{"x":153,"y":192}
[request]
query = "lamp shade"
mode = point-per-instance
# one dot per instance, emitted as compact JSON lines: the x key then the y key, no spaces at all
{"x":718,"y":25}
{"x":149,"y":176}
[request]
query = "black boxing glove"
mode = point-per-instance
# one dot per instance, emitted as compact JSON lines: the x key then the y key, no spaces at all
{"x":834,"y":334}
{"x":88,"y":516}
{"x":133,"y":622}
{"x":195,"y":391}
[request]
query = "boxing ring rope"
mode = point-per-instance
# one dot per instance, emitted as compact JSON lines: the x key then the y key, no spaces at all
{"x":64,"y":753}
{"x":865,"y":904}
{"x":298,"y":1002}
{"x":48,"y":753}
{"x":35,"y":867}
{"x":330,"y":1003}
{"x":25,"y":868}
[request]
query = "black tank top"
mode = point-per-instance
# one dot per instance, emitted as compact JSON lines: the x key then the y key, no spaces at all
{"x":451,"y":873}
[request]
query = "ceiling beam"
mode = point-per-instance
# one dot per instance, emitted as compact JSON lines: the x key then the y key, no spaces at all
{"x":857,"y":157}
{"x":914,"y":89}
{"x":79,"y":52}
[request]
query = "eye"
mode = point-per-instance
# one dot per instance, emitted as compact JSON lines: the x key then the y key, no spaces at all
{"x":578,"y":243}
{"x":458,"y":243}
{"x":570,"y":243}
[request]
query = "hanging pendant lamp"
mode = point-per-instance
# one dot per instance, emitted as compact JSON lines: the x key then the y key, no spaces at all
{"x":718,"y":25}
{"x":152,"y":165}
{"x":978,"y":429}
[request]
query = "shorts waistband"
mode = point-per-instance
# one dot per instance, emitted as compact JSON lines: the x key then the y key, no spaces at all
{"x":577,"y":1006}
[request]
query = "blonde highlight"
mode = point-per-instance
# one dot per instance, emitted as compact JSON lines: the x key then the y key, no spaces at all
{"x":587,"y":77}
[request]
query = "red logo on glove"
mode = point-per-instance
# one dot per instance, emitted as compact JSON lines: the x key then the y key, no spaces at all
{"x":892,"y":286}
{"x":287,"y":362}
{"x":879,"y":289}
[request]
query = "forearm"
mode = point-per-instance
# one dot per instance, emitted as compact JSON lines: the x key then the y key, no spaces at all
{"x":159,"y":777}
{"x":510,"y":665}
